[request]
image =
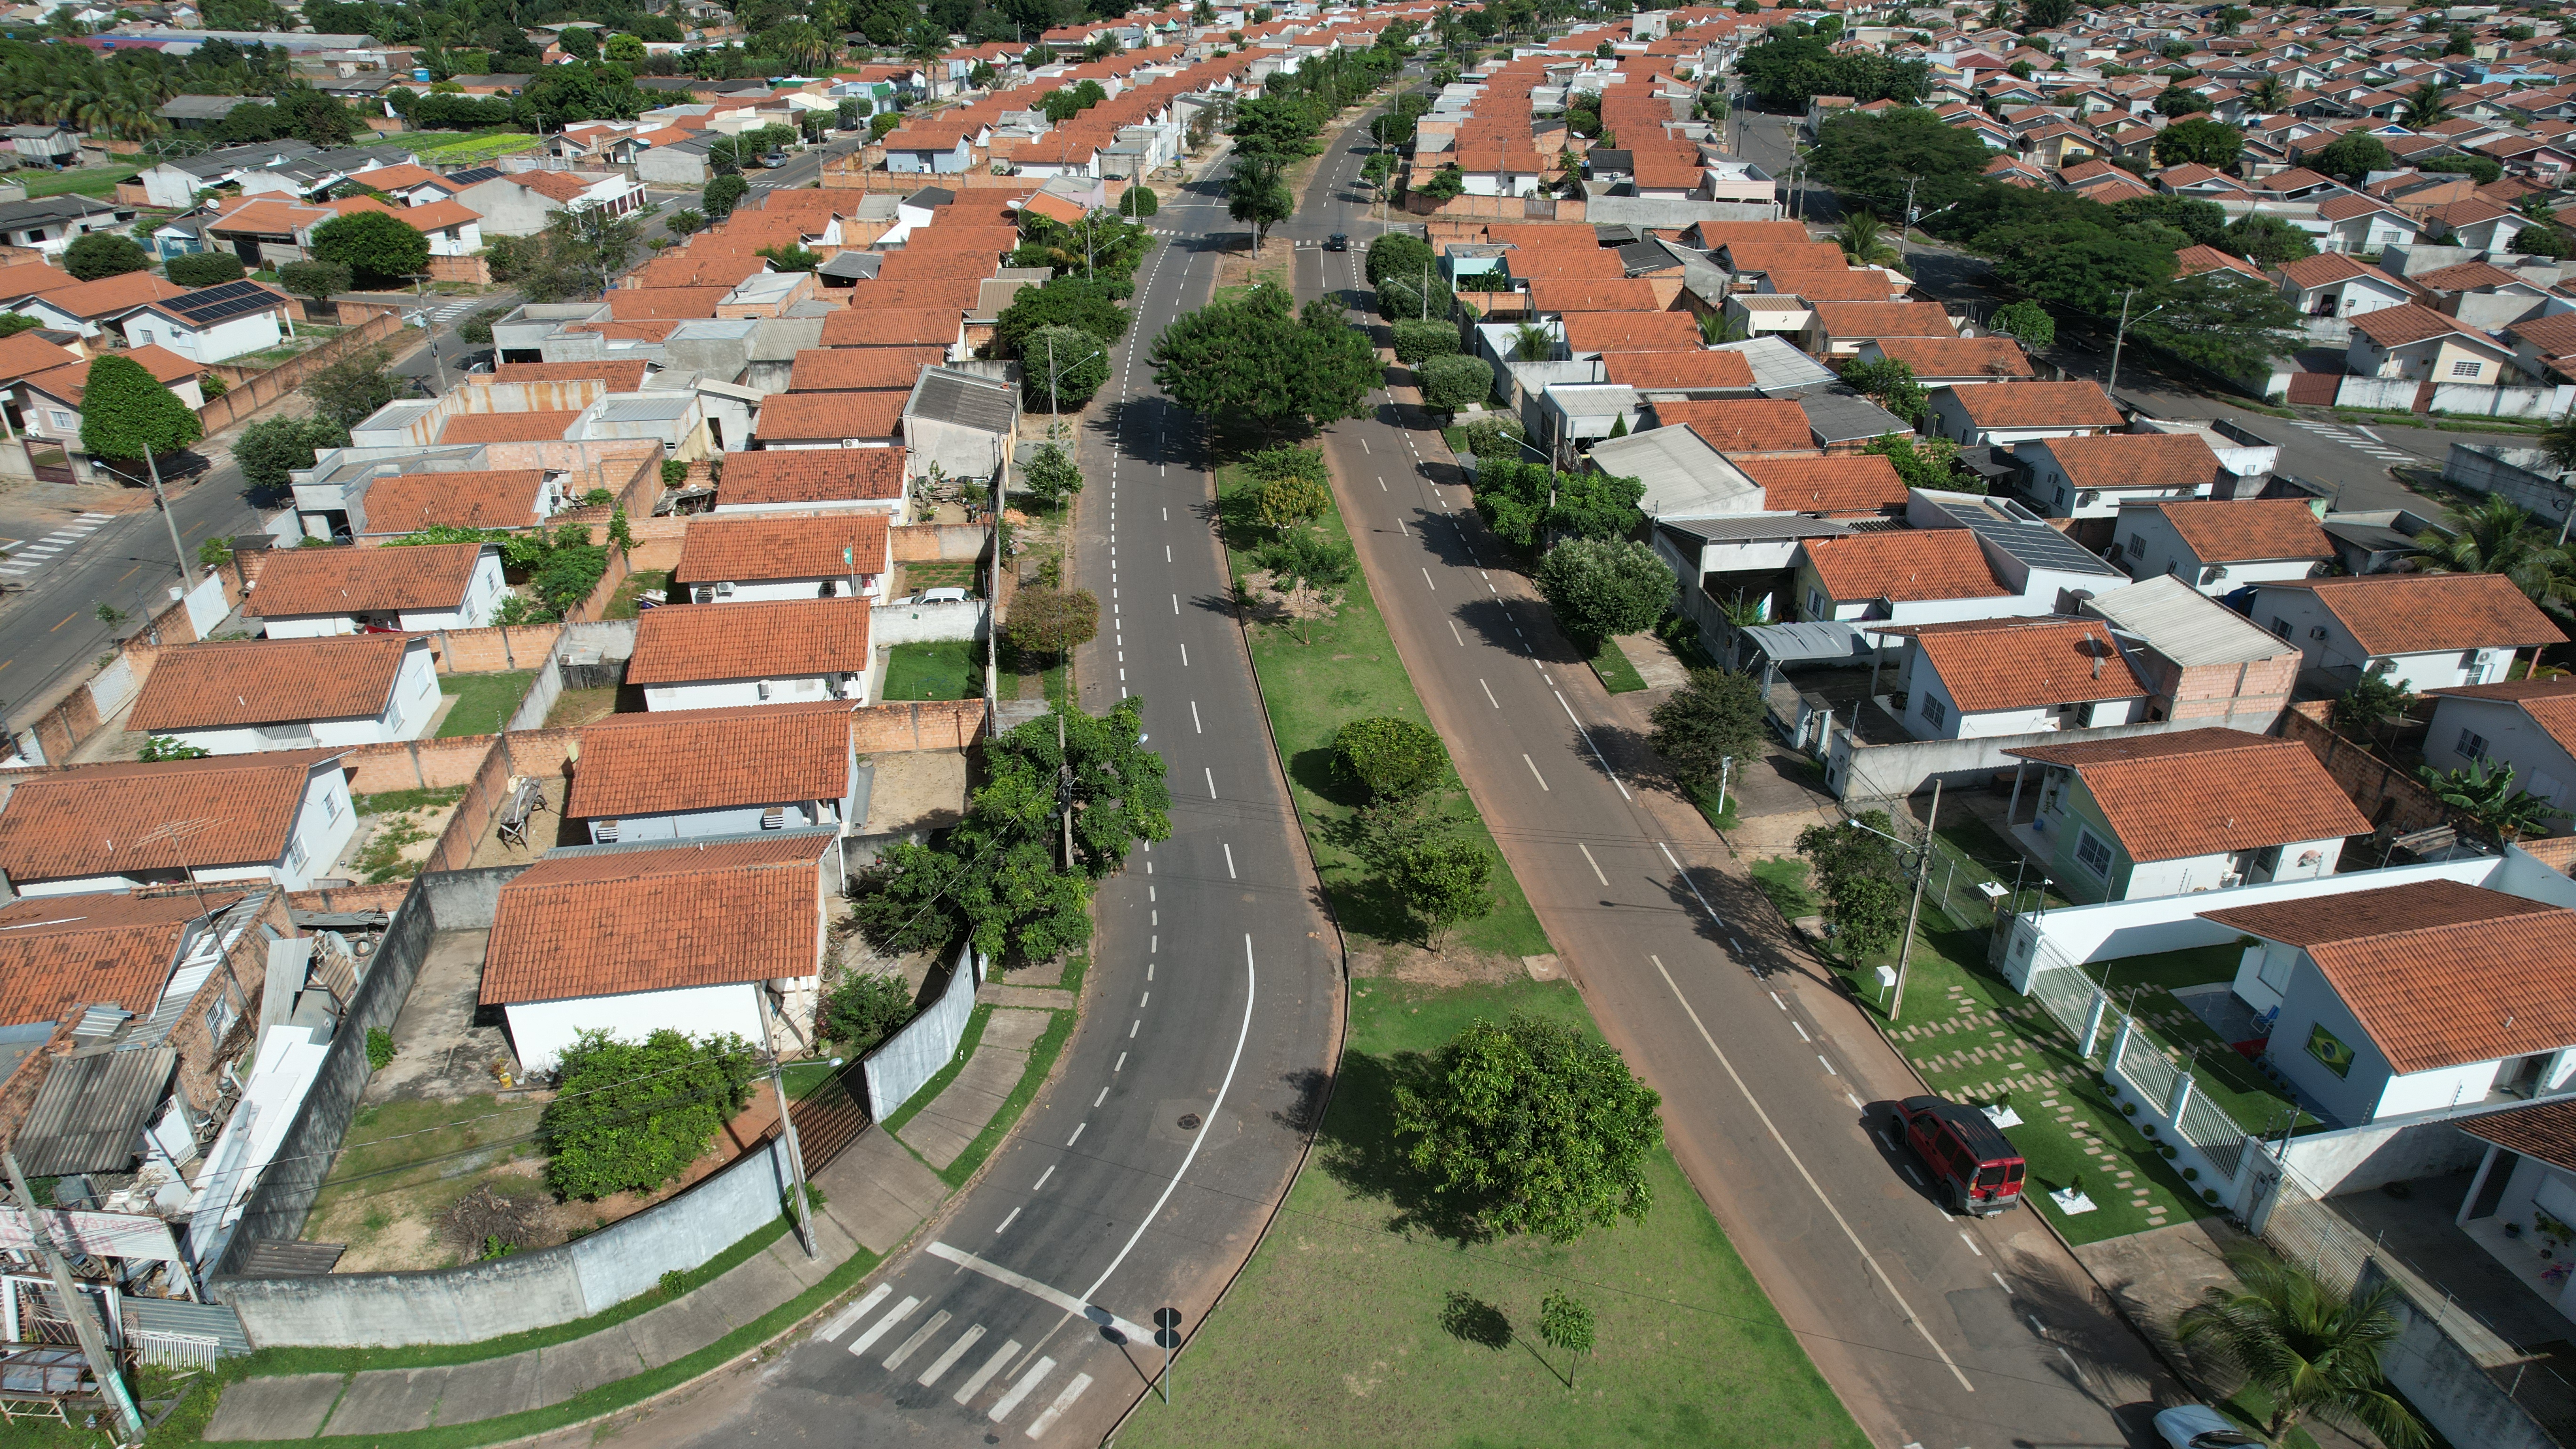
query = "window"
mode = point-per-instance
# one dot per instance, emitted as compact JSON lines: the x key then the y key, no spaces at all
{"x":2467,"y":369}
{"x":2472,"y":746}
{"x":330,"y":807}
{"x":2275,"y":969}
{"x":1817,"y":605}
{"x":61,"y":419}
{"x":2280,"y":626}
{"x":2092,"y":852}
{"x":295,"y":854}
{"x":1934,"y":711}
{"x":2137,"y":545}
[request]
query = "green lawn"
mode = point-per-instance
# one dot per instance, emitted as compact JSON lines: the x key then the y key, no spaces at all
{"x":1611,"y":666}
{"x":484,"y":702}
{"x":621,"y":605}
{"x":98,"y":181}
{"x":1357,"y":1324}
{"x":1350,"y":671}
{"x":940,"y":669}
{"x":1783,"y":878}
{"x":478,"y":146}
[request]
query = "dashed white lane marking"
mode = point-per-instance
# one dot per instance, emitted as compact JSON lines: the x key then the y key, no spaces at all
{"x":1802,"y":1030}
{"x":1829,"y":1066}
{"x":1210,"y":772}
{"x":1454,"y":634}
{"x":1489,"y":694}
{"x":1596,"y":865}
{"x":1080,"y":1127}
{"x":842,"y":1320}
{"x":1003,"y":1406}
{"x":1194,"y":718}
{"x":1050,"y":1172}
{"x":1011,"y":1216}
{"x":1971,"y":1242}
{"x":1534,"y":774}
{"x":868,"y":1340}
{"x":1063,"y":1401}
{"x":1229,"y":860}
{"x":1426,"y":578}
{"x":1999,"y":1280}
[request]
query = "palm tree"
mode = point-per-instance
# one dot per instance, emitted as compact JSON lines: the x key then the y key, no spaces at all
{"x":1864,"y":240}
{"x":2266,"y":95}
{"x":1715,"y":328}
{"x":2313,"y":1350}
{"x":2498,"y":537}
{"x":2559,"y":442}
{"x":1532,"y":342}
{"x":2488,"y":797}
{"x":2426,"y":107}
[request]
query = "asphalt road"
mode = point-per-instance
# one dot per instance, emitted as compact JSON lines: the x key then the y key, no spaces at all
{"x":2354,"y":459}
{"x":1103,"y":1193}
{"x":1935,"y":1330}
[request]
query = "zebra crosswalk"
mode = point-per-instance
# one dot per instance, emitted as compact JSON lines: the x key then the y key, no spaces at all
{"x":453,"y":310}
{"x":874,"y":1328}
{"x":2361,"y":440}
{"x":19,"y":563}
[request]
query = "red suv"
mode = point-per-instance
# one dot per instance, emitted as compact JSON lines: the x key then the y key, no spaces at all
{"x":1979,"y":1172}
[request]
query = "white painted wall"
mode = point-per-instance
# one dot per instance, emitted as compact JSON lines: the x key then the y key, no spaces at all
{"x":405,"y":716}
{"x":539,"y":1031}
{"x":483,"y":590}
{"x":230,"y":338}
{"x":762,"y":591}
{"x":322,"y":830}
{"x":2295,"y":615}
{"x":2145,"y":543}
{"x":2507,"y":736}
{"x":735,"y":693}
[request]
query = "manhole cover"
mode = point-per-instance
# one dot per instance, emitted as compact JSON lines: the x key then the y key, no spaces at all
{"x":1189,"y":1121}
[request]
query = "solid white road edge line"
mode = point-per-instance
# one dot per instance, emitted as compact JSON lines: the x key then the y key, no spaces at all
{"x":1044,"y":1293}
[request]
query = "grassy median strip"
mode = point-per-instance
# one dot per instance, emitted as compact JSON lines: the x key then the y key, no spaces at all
{"x":1617,"y":673}
{"x":1356,"y":1324}
{"x":1042,"y":1055}
{"x":1350,"y":671}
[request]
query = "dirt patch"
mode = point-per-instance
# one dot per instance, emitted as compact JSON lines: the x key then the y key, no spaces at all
{"x":577,"y":707}
{"x":1442,"y":969}
{"x":1239,"y":266}
{"x":1269,"y":606}
{"x":499,"y":1215}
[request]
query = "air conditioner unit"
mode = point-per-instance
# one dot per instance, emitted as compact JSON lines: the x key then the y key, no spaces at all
{"x":604,"y":831}
{"x":722,"y":590}
{"x":2317,"y":632}
{"x":2213,"y":573}
{"x":2230,"y":880}
{"x":774,"y":818}
{"x":702,"y":595}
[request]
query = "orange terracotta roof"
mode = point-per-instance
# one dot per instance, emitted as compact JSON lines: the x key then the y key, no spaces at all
{"x":2201,"y":792}
{"x":1741,"y":425}
{"x":1996,"y":664}
{"x":621,"y":376}
{"x":2439,"y":974}
{"x":98,"y":820}
{"x":893,"y":327}
{"x":1803,"y":256}
{"x":2240,"y":530}
{"x":1590,"y":294}
{"x":300,"y":582}
{"x":2133,"y":460}
{"x":1840,"y":284}
{"x":2428,"y":613}
{"x":634,"y":304}
{"x":1884,"y":319}
{"x":1677,"y":370}
{"x":802,"y":417}
{"x":2038,"y":405}
{"x":651,"y":920}
{"x":1858,"y":483}
{"x":121,"y":293}
{"x":1566,"y":262}
{"x":686,"y":643}
{"x":61,"y":955}
{"x":741,"y":548}
{"x":1999,"y":357}
{"x":268,"y":681}
{"x":1903,"y":565}
{"x":70,"y":383}
{"x":811,"y":475}
{"x":24,"y":354}
{"x":860,"y":369}
{"x":654,"y":764}
{"x":409,"y":502}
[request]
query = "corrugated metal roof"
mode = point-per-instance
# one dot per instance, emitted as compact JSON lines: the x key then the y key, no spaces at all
{"x":1815,"y":642}
{"x":947,"y":396}
{"x":1777,"y":366}
{"x":646,"y":409}
{"x":2186,"y":627}
{"x":89,"y":1114}
{"x":1684,"y":476}
{"x":1751,"y":527}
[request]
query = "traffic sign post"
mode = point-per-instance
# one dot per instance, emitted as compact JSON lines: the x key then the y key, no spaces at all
{"x":1167,"y":1332}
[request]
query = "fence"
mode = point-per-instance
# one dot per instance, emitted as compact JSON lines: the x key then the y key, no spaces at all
{"x":907,"y":1060}
{"x":176,"y":1350}
{"x":2167,"y":1092}
{"x":256,"y":390}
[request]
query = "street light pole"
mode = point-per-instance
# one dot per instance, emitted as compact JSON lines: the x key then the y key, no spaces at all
{"x":93,"y":1342}
{"x":2121,"y":336}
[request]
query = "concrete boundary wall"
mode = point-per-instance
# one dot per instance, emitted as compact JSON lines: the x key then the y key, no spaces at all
{"x":2449,"y":1386}
{"x":906,"y":1061}
{"x":919,"y":623}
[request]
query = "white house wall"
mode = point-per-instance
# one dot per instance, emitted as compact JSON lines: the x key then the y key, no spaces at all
{"x":2540,"y":764}
{"x":234,"y":337}
{"x":764,"y":591}
{"x":737,"y":693}
{"x":541,"y":1030}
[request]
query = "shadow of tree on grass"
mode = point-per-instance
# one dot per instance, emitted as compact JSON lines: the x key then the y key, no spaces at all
{"x":1359,"y":1150}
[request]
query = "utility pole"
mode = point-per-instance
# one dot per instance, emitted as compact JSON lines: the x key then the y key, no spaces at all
{"x":1064,"y":784}
{"x":803,"y":1213}
{"x":93,"y":1342}
{"x":1922,"y":874}
{"x":2122,"y":335}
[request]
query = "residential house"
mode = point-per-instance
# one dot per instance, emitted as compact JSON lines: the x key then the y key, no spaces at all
{"x":1952,"y":361}
{"x":2413,"y":998}
{"x":1877,"y":575}
{"x":212,"y":324}
{"x":1840,"y":329}
{"x":2333,"y":284}
{"x":400,"y":503}
{"x":2218,"y":547}
{"x":2003,"y":414}
{"x":2143,"y":816}
{"x":803,"y":420}
{"x":1863,"y":485}
{"x":290,"y":694}
{"x":2087,"y":478}
{"x":2477,"y":224}
{"x":724,"y":656}
{"x":282,"y":817}
{"x":960,"y":424}
{"x":1977,"y":678}
{"x":2414,"y":341}
{"x":49,"y":409}
{"x":2425,"y":631}
{"x":2361,"y":224}
{"x":783,"y":767}
{"x":2200,"y":660}
{"x":2526,"y":725}
{"x":524,"y":203}
{"x":765,"y":558}
{"x":808,"y":480}
{"x":707,"y":939}
{"x":49,"y":224}
{"x":302,"y":593}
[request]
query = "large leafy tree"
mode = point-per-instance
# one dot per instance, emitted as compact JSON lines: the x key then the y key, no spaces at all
{"x":1523,"y":502}
{"x":1870,"y":158}
{"x":1257,"y":195}
{"x":1061,"y":367}
{"x":377,"y":246}
{"x":1790,"y":70}
{"x":2211,"y":143}
{"x":2267,"y":241}
{"x":1530,"y":1126}
{"x":348,"y":390}
{"x":1454,"y":381}
{"x":1052,"y":621}
{"x":1605,"y":586}
{"x":2351,"y":155}
{"x":1890,"y":384}
{"x":1392,"y":759}
{"x":1859,"y":875}
{"x":268,"y":450}
{"x":1086,"y":306}
{"x":1251,"y":358}
{"x":631,"y":1116}
{"x":2223,"y":320}
{"x":2312,"y":1350}
{"x":1716,"y":716}
{"x":104,"y":254}
{"x":127,"y":414}
{"x":1447,"y":881}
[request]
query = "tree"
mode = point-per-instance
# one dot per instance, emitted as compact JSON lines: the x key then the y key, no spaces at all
{"x":2427,"y":106}
{"x":1924,"y":462}
{"x":204,"y":269}
{"x":1528,"y":1125}
{"x":378,"y":247}
{"x":1417,"y":341}
{"x":599,"y":243}
{"x":1399,"y":254}
{"x":1870,"y":159}
{"x":1392,"y":759}
{"x":2485,"y":170}
{"x":1304,"y":563}
{"x":316,"y":282}
{"x":1251,"y":358}
{"x":632,"y":1116}
{"x":2495,"y":536}
{"x":2179,"y":100}
{"x":2559,"y":441}
{"x":627,"y":49}
{"x":2222,"y":320}
{"x":2487,"y":796}
{"x":1447,"y":881}
{"x":1600,"y":587}
{"x":1890,"y":384}
{"x":1119,"y":790}
{"x":2025,"y":322}
{"x":2267,"y":241}
{"x":167,"y":747}
{"x":127,"y":413}
{"x":1257,"y":195}
{"x":687,"y":221}
{"x":2046,"y":14}
{"x":1717,"y":715}
{"x":578,"y":43}
{"x":1859,"y":876}
{"x":97,"y":254}
{"x":722,"y":195}
{"x":1052,"y":475}
{"x":2211,"y":143}
{"x":349,"y":390}
{"x":2541,"y":241}
{"x":1090,"y":307}
{"x":2373,"y":700}
{"x":1787,"y":71}
{"x":2353,"y":154}
{"x":864,"y":1008}
{"x":1564,"y":1320}
{"x":1291,"y":499}
{"x":267,"y":450}
{"x":2313,"y":1351}
{"x":1063,"y":368}
{"x":1052,"y":621}
{"x":1864,"y":240}
{"x":1454,"y":382}
{"x":1139,"y":202}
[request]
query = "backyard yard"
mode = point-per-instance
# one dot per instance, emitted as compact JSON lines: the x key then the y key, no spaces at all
{"x":484,"y":702}
{"x":939,"y":669}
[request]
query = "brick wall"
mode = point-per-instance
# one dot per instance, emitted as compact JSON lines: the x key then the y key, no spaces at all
{"x":2385,"y":793}
{"x":75,"y":717}
{"x":923,"y":725}
{"x":940,"y":542}
{"x":351,"y":898}
{"x":489,"y":651}
{"x":415,"y":764}
{"x":252,"y":391}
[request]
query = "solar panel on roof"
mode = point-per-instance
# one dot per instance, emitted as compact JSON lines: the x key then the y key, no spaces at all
{"x":210,"y":305}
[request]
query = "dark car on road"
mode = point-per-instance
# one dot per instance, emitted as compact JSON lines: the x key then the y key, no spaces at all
{"x":1337,"y":242}
{"x":1974,"y":1168}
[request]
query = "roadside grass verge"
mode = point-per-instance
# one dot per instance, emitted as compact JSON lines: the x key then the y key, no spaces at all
{"x":1350,"y":671}
{"x":1610,"y":665}
{"x":1356,"y":1324}
{"x":484,"y":702}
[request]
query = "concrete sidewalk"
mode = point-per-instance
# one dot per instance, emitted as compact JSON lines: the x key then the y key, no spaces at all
{"x":876,"y":1194}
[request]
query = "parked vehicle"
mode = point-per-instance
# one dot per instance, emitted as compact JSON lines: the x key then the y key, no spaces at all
{"x":943,"y":596}
{"x":2198,"y":1426}
{"x":1977,"y":1170}
{"x":774,"y":160}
